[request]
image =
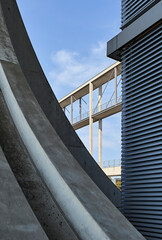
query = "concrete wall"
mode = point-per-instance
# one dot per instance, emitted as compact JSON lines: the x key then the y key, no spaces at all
{"x":44,"y":95}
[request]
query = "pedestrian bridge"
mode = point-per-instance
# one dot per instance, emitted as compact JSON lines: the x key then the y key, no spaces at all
{"x":100,"y":111}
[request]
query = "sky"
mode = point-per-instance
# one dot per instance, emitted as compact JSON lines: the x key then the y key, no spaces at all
{"x":69,"y":38}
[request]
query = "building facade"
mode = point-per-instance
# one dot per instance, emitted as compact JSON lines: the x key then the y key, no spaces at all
{"x":139,"y":47}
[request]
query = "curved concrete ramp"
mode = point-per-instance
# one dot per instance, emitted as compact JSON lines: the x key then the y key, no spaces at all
{"x":54,"y":177}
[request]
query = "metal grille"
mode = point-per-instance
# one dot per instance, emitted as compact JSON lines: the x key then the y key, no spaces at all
{"x":142,"y":134}
{"x":132,"y":8}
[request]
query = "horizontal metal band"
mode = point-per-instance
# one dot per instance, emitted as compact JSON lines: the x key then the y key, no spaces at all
{"x":133,"y":9}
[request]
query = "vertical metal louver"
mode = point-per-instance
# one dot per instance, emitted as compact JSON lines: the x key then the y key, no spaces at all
{"x":142,"y":133}
{"x":132,"y":8}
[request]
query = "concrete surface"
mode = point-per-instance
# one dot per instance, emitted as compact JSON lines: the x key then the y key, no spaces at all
{"x":17,"y":220}
{"x":48,"y":102}
{"x":88,"y":212}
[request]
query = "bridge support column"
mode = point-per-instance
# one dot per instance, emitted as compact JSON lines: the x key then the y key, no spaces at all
{"x":71,"y":99}
{"x":100,"y":127}
{"x":80,"y":109}
{"x":115,"y":75}
{"x":91,"y":118}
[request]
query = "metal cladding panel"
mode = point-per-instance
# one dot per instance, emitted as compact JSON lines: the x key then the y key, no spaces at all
{"x":142,"y":133}
{"x":132,"y":8}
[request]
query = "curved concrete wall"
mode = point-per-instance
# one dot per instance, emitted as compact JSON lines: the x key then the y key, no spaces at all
{"x":49,"y":104}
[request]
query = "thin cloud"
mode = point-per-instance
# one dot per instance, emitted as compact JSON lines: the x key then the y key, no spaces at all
{"x":70,"y":69}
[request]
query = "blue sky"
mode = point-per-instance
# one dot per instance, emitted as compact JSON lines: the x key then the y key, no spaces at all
{"x":69,"y":38}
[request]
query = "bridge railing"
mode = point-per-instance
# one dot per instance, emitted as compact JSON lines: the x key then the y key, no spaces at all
{"x":107,"y":105}
{"x":112,"y":163}
{"x":104,"y":106}
{"x":81,"y":117}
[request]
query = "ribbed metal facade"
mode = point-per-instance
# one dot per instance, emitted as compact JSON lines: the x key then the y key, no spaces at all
{"x":132,"y":8}
{"x":142,"y":133}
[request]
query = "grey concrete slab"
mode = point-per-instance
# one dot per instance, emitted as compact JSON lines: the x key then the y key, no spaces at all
{"x":17,"y":220}
{"x":47,"y":100}
{"x":143,"y":23}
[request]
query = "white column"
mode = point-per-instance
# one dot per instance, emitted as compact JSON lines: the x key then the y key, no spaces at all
{"x":80,"y":108}
{"x":90,"y":118}
{"x":115,"y":75}
{"x":71,"y":99}
{"x":100,"y":127}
